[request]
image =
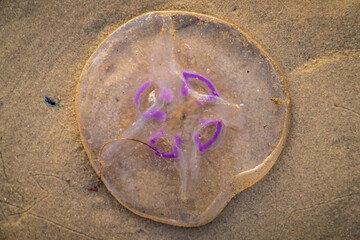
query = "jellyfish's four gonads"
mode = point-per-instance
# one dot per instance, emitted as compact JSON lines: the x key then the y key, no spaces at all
{"x":204,"y":109}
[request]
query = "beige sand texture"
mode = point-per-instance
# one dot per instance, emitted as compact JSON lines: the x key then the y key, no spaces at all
{"x":313,"y":190}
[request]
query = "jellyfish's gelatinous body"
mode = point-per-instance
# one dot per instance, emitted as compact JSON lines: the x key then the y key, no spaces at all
{"x":197,"y":94}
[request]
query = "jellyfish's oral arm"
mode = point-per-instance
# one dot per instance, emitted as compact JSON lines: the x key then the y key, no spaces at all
{"x":152,"y":112}
{"x":231,"y":114}
{"x":164,"y":68}
{"x":178,"y":155}
{"x":155,"y":113}
{"x":199,"y":148}
{"x":222,"y":113}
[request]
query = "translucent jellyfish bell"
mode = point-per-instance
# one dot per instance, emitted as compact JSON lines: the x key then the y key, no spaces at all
{"x":178,"y":113}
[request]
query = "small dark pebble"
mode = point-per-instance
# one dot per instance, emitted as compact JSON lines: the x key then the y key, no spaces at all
{"x":49,"y":101}
{"x":93,"y":189}
{"x":45,"y":226}
{"x":183,"y":116}
{"x":140,"y":231}
{"x":1,"y":104}
{"x":116,"y":99}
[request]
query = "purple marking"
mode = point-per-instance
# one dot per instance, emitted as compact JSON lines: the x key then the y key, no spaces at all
{"x":210,"y":98}
{"x":158,"y":134}
{"x":198,"y":103}
{"x":184,"y":90}
{"x":202,"y":147}
{"x":203,"y":121}
{"x":140,"y":91}
{"x":206,"y":99}
{"x":166,"y":95}
{"x":178,"y":141}
{"x":155,"y":113}
{"x":173,"y":154}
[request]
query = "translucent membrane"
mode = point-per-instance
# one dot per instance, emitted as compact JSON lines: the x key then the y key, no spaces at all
{"x":206,"y":109}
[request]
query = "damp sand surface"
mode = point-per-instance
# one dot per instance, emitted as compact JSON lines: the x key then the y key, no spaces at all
{"x":48,"y":187}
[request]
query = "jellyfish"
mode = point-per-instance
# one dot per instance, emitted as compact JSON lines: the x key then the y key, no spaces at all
{"x":178,"y":113}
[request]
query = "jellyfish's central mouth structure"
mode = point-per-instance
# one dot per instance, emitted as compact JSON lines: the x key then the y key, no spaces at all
{"x":170,"y":109}
{"x":194,"y":97}
{"x":193,"y":102}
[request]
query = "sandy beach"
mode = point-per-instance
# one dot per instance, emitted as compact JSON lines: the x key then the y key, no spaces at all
{"x":48,"y":188}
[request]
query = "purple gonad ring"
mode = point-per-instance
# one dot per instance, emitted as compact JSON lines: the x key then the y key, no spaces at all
{"x":140,"y":91}
{"x":161,"y":134}
{"x":185,"y":87}
{"x":151,"y":113}
{"x":203,"y":146}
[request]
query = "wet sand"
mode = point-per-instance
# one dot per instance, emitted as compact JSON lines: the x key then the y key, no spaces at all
{"x":312,"y":191}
